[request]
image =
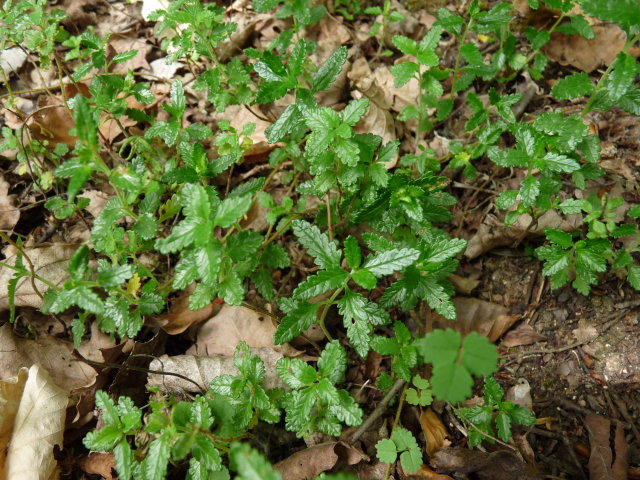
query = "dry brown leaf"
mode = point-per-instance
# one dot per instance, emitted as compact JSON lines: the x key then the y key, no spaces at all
{"x":38,"y":428}
{"x":122,"y":43}
{"x":435,"y":433}
{"x":204,"y":369}
{"x":179,"y":317}
{"x":110,"y":129}
{"x":91,"y":349}
{"x":220,"y":334}
{"x":603,"y":463}
{"x":494,"y":233}
{"x":313,"y":461}
{"x":9,"y":214}
{"x":102,"y":464}
{"x":523,"y":334}
{"x":425,"y":473}
{"x":520,"y":394}
{"x":584,"y":54}
{"x":48,"y":262}
{"x":585,"y":332}
{"x":500,"y":465}
{"x":54,"y":354}
{"x":475,"y":315}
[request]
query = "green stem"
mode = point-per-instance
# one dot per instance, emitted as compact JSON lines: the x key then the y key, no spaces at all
{"x":327,"y":306}
{"x":396,"y":420}
{"x":458,"y":56}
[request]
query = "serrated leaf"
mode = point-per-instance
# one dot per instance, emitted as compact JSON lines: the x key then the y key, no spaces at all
{"x":521,"y":415}
{"x":411,"y":460}
{"x":231,"y":210}
{"x":359,"y":317}
{"x":322,"y":282}
{"x":405,"y":44}
{"x":623,"y":12}
{"x":633,"y":276}
{"x":354,"y":111}
{"x":529,"y":190}
{"x":296,"y":321}
{"x":365,"y":279}
{"x":275,"y":256}
{"x":507,"y":199}
{"x":564,"y":239}
{"x":324,"y":252}
{"x":250,"y":464}
{"x":333,"y":362}
{"x":572,"y":86}
{"x":110,"y":276}
{"x":327,"y":73}
{"x":503,"y":423}
{"x":386,"y":451}
{"x":390,"y":261}
{"x":403,"y":72}
{"x":352,"y":253}
{"x":560,"y":163}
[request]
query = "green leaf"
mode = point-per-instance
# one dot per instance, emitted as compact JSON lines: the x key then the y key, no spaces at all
{"x":529,"y":190}
{"x":332,"y":363}
{"x":451,"y":382}
{"x":365,"y":279}
{"x":479,"y":355}
{"x":633,"y":276}
{"x":359,"y":316}
{"x":403,"y":72}
{"x":507,"y":199}
{"x":154,"y":465}
{"x":564,"y":239}
{"x":624,"y":12}
{"x":231,"y":210}
{"x":123,"y":456}
{"x":323,"y":281}
{"x":275,"y":256}
{"x":521,"y":415}
{"x":390,"y":261}
{"x":625,"y":69}
{"x":572,"y":86}
{"x":405,"y":45}
{"x":230,"y":289}
{"x":110,"y":276}
{"x":296,"y":321}
{"x":250,"y":464}
{"x":352,"y":252}
{"x":559,"y":163}
{"x":503,"y":422}
{"x":327,"y":73}
{"x":386,"y":451}
{"x":411,"y":460}
{"x":439,"y":347}
{"x":146,"y":226}
{"x":324,"y":252}
{"x":492,"y":392}
{"x":354,"y":111}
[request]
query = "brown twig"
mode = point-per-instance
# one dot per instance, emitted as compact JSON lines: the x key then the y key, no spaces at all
{"x":377,"y":413}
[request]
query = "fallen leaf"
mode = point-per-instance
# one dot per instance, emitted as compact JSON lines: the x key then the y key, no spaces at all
{"x":605,"y":464}
{"x":122,"y":43}
{"x":150,"y":6}
{"x":202,"y":370}
{"x":12,"y":59}
{"x":435,"y":433}
{"x":9,"y":214}
{"x":523,"y":334}
{"x":313,"y":461}
{"x":10,"y":392}
{"x":425,"y":473}
{"x":53,"y":354}
{"x":48,"y":262}
{"x":38,"y":428}
{"x":475,"y":315}
{"x":220,"y":334}
{"x":179,"y":317}
{"x":500,"y":465}
{"x":102,"y":464}
{"x":494,"y":233}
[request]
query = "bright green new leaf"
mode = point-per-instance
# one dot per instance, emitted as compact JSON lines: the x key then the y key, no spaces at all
{"x":479,"y":355}
{"x":572,"y":86}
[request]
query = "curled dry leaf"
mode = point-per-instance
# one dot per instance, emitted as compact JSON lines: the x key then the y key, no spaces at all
{"x":9,"y":214}
{"x":54,"y":354}
{"x":220,"y":334}
{"x":486,"y":318}
{"x":48,"y":262}
{"x":435,"y":433}
{"x":38,"y":428}
{"x":10,"y":392}
{"x":521,"y":335}
{"x":494,"y":233}
{"x":102,"y":464}
{"x":425,"y":473}
{"x":204,"y":369}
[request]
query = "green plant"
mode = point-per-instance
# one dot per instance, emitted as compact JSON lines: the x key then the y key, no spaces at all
{"x":402,"y":442}
{"x":379,"y":29}
{"x":494,"y":412}
{"x":177,"y":218}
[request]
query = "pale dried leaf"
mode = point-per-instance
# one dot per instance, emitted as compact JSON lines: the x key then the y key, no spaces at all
{"x":220,"y":334}
{"x":102,"y":464}
{"x":204,"y":369}
{"x":520,"y":394}
{"x":12,"y":59}
{"x":54,"y":354}
{"x":122,"y":43}
{"x":523,"y":334}
{"x":48,"y":262}
{"x":38,"y":428}
{"x":10,"y":392}
{"x":494,"y":233}
{"x":97,"y":200}
{"x":313,"y":461}
{"x":9,"y":214}
{"x":150,"y":6}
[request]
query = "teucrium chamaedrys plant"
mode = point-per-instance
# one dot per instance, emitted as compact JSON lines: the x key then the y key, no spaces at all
{"x":369,"y":234}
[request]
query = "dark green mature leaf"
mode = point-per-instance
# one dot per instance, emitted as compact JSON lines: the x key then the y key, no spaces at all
{"x":572,"y":86}
{"x":332,"y":363}
{"x":359,"y":317}
{"x":231,"y":210}
{"x":352,"y":253}
{"x":327,"y":73}
{"x":296,"y":321}
{"x":250,"y":464}
{"x":325,"y":252}
{"x":322,"y":282}
{"x":403,"y":72}
{"x":624,"y":12}
{"x":390,"y":261}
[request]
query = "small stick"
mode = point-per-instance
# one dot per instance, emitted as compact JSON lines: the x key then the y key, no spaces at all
{"x":377,"y":413}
